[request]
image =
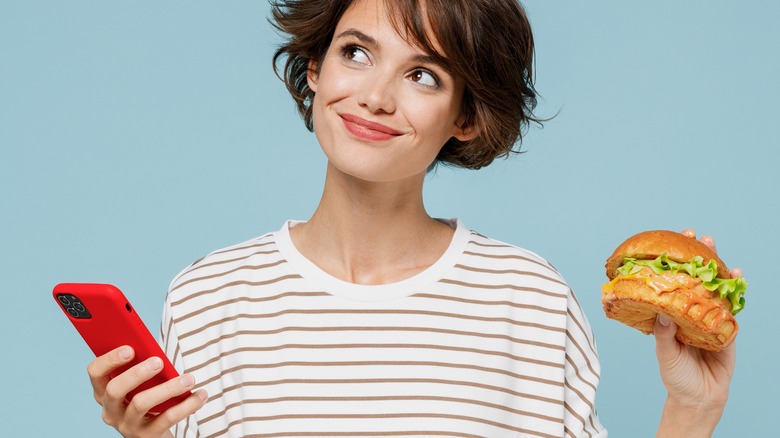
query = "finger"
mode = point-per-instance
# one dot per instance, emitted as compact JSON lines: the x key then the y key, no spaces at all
{"x":118,"y":388}
{"x":736,"y":273}
{"x":666,"y":346}
{"x":99,"y":370}
{"x":709,"y":241}
{"x":688,"y":232}
{"x":144,"y":401}
{"x":179,"y":412}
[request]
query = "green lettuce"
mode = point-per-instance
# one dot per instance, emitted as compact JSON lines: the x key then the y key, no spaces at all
{"x":731,"y":288}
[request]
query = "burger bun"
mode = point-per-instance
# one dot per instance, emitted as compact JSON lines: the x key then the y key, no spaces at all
{"x":703,"y":318}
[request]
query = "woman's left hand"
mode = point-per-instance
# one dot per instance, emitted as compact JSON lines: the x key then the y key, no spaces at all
{"x":697,"y":380}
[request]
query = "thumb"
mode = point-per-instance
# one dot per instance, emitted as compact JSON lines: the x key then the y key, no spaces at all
{"x":666,"y":346}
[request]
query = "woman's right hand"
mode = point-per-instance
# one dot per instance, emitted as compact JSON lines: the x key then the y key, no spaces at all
{"x":132,"y":419}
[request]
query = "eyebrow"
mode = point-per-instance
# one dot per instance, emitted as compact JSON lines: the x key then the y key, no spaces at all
{"x":365,"y":39}
{"x":371,"y":41}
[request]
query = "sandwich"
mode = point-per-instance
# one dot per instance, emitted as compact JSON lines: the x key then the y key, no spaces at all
{"x":664,"y":272}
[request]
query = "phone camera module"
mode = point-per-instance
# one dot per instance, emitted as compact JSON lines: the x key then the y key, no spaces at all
{"x":73,"y":305}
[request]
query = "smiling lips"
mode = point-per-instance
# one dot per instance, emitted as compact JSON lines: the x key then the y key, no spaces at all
{"x":367,"y":130}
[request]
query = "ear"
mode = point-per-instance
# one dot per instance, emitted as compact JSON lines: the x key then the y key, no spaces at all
{"x":463,"y":131}
{"x":311,"y":75}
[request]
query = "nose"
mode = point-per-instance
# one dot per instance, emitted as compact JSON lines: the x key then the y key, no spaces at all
{"x":377,"y":92}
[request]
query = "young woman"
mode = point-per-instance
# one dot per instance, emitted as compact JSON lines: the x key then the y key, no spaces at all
{"x":372,"y":318}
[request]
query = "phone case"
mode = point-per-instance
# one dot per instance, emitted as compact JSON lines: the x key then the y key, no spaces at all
{"x":106,"y":320}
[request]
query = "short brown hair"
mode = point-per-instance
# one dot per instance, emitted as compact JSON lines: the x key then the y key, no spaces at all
{"x":487,"y":43}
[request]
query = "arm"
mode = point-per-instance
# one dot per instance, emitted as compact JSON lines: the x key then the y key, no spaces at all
{"x":697,"y":381}
{"x":582,"y":373}
{"x":169,"y":337}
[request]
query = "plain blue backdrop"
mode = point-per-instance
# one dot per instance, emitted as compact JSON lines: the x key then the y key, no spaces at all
{"x":135,"y":137}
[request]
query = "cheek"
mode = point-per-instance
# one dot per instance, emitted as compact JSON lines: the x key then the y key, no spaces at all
{"x":334,"y":84}
{"x":436,"y":121}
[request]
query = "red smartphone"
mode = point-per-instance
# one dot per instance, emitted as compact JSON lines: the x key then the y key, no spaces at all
{"x":106,"y":320}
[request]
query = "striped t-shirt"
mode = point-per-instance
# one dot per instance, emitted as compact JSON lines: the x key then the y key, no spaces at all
{"x":489,"y":341}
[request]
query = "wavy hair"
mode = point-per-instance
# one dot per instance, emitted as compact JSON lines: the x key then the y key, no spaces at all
{"x":487,"y":43}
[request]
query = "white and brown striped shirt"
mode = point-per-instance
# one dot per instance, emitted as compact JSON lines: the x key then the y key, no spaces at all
{"x":487,"y":342}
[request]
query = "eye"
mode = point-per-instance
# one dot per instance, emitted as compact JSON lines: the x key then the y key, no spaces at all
{"x":356,"y":54}
{"x":425,"y":78}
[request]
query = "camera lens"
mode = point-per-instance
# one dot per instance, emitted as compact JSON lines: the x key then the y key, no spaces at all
{"x":73,"y":305}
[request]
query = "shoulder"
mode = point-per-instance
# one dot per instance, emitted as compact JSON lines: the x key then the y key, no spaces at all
{"x":491,"y":254}
{"x":259,"y":251}
{"x":499,"y":269}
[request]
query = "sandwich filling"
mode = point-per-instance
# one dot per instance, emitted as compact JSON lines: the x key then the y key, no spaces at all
{"x":671,"y":275}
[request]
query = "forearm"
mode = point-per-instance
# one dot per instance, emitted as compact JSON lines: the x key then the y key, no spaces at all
{"x":678,"y":421}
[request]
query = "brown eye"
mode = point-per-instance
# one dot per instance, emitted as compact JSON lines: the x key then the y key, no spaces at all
{"x":356,"y":54}
{"x":425,"y":78}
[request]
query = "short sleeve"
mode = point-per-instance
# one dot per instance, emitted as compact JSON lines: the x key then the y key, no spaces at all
{"x":188,"y":427}
{"x":582,"y":376}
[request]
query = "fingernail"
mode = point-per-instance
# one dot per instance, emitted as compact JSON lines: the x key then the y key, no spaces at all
{"x":154,"y":364}
{"x":187,"y":381}
{"x":125,"y":353}
{"x":202,"y":395}
{"x":664,"y":320}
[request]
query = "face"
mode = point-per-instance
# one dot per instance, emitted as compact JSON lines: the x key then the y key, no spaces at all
{"x":382,"y":109}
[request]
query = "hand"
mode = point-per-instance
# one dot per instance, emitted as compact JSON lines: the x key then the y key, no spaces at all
{"x":132,"y":419}
{"x":697,"y":380}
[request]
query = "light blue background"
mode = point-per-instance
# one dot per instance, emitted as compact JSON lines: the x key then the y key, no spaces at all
{"x":137,"y":136}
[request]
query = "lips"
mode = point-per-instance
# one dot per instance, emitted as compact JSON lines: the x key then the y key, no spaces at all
{"x":368,"y":130}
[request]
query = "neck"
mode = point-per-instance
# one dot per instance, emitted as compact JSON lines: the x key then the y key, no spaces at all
{"x":371,"y":233}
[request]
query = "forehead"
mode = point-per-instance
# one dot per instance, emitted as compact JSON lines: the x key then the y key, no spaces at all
{"x":370,"y":16}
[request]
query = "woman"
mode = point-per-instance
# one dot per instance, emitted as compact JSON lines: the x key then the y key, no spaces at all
{"x":372,"y":318}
